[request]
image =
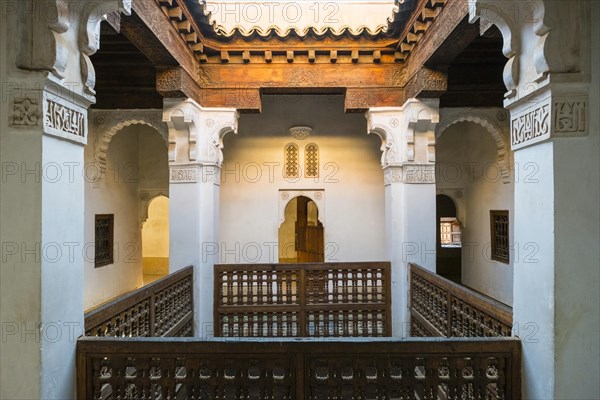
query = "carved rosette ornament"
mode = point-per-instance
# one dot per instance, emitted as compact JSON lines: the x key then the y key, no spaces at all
{"x":300,"y":132}
{"x":26,"y":112}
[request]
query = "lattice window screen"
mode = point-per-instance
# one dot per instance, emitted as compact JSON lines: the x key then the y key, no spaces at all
{"x":292,"y":161}
{"x":104,"y":233}
{"x":311,"y":160}
{"x":500,"y":236}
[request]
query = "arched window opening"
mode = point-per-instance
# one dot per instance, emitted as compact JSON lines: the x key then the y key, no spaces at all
{"x":311,"y":160}
{"x":292,"y":161}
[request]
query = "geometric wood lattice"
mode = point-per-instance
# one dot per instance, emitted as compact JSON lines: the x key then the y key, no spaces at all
{"x":311,"y":159}
{"x":500,"y":236}
{"x":104,"y":233}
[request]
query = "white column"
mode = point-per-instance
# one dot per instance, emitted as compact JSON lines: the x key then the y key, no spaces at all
{"x":43,"y":129}
{"x":408,"y":161}
{"x":556,"y":232}
{"x":552,"y":77}
{"x":195,"y":158}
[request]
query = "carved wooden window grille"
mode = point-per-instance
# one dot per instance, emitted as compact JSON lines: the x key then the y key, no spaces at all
{"x":311,"y":160}
{"x":499,"y":235}
{"x":104,"y":233}
{"x":292,"y":163}
{"x":450,"y":234}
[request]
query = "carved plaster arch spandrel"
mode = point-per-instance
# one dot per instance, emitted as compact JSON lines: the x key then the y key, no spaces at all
{"x":108,"y":123}
{"x":502,"y":146}
{"x":496,"y":13}
{"x":316,"y":195}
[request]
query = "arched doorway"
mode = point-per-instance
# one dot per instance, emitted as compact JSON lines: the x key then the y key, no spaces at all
{"x":448,"y":239}
{"x":155,"y":240}
{"x":301,"y":234}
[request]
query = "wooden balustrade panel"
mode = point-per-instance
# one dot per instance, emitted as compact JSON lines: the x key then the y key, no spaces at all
{"x":162,"y":308}
{"x":293,"y":300}
{"x":440,"y":307}
{"x":171,"y":368}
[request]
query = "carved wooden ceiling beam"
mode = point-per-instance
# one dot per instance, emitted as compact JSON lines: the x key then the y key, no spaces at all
{"x":184,"y":22}
{"x":151,"y":31}
{"x":235,"y":76}
{"x":427,"y":11}
{"x":385,"y":47}
{"x":437,"y":35}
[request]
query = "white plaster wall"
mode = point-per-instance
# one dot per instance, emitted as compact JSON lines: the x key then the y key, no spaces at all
{"x":466,"y":159}
{"x":350,"y":174}
{"x":152,"y":160}
{"x":156,"y":229}
{"x":136,"y":160}
{"x":20,"y":222}
{"x":577,"y":283}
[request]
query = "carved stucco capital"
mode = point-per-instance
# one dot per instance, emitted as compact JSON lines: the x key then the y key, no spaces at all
{"x":502,"y":14}
{"x":196,"y":133}
{"x":398,"y":128}
{"x":46,"y":44}
{"x":559,"y":34}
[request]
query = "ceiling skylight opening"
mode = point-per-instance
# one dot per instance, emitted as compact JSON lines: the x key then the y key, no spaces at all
{"x":282,"y":17}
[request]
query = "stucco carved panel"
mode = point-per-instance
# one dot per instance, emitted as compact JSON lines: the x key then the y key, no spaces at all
{"x":195,"y":173}
{"x":62,"y":116}
{"x":551,"y":115}
{"x":409,"y":173}
{"x":26,"y":111}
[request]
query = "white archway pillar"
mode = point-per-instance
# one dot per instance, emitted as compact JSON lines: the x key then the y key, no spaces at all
{"x":195,"y":158}
{"x":43,"y":130}
{"x":553,"y":95}
{"x":408,"y":162}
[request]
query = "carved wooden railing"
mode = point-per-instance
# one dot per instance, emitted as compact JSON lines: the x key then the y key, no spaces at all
{"x":439,"y":307}
{"x":315,"y":300}
{"x":302,"y":369}
{"x":162,"y":308}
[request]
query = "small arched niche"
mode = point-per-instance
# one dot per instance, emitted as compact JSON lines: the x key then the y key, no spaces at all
{"x":301,"y":236}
